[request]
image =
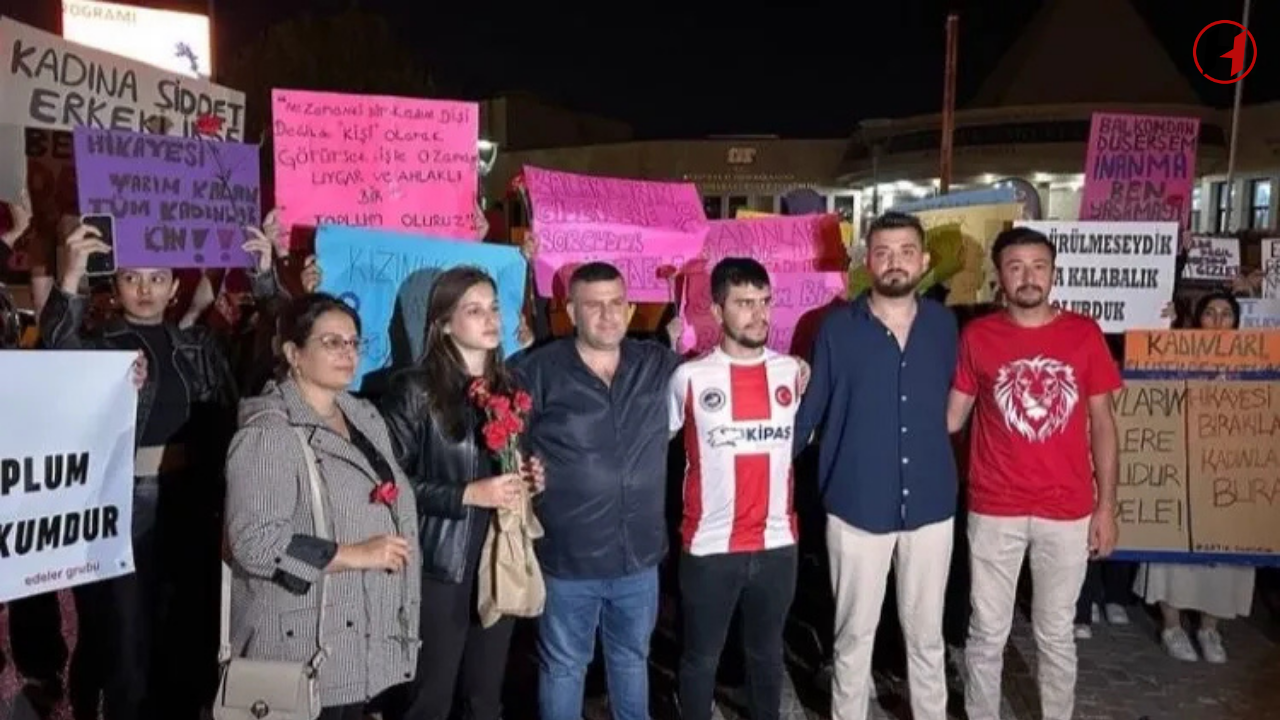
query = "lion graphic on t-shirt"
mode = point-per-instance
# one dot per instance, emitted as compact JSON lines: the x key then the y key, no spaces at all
{"x":1036,"y":396}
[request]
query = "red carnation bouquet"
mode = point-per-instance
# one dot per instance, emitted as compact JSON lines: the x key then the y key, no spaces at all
{"x":506,"y":415}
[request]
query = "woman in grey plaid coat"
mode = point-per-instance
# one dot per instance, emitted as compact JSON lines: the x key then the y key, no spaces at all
{"x":369,"y":555}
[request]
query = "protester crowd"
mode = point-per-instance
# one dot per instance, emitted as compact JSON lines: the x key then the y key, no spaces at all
{"x":360,"y":533}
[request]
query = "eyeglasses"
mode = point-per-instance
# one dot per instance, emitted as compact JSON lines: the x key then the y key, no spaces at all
{"x":335,"y":344}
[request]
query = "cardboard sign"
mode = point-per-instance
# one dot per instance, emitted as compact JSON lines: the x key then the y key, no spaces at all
{"x":1120,"y":274}
{"x":177,"y":202}
{"x":646,"y":229}
{"x":1212,"y":258}
{"x":1233,"y":458}
{"x":1140,"y":167}
{"x":1151,"y":494}
{"x":1202,"y":351}
{"x":379,"y":162}
{"x":977,"y":227}
{"x":50,"y":83}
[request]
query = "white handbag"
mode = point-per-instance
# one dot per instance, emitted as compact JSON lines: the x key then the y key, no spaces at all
{"x":268,"y":689}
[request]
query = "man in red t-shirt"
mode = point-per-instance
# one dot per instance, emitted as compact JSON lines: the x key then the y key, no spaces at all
{"x":1042,"y":469}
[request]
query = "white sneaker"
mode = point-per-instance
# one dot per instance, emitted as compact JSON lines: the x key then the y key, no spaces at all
{"x":1178,"y":645}
{"x":1211,"y":646}
{"x":1095,"y":614}
{"x":1116,"y":614}
{"x":1084,"y":632}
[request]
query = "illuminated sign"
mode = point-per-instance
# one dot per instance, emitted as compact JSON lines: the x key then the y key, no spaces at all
{"x":175,"y":41}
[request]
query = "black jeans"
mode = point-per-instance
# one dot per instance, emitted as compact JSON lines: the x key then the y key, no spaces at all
{"x":710,"y":589}
{"x":35,"y":632}
{"x":149,"y":640}
{"x":460,"y":663}
{"x":1105,"y":582}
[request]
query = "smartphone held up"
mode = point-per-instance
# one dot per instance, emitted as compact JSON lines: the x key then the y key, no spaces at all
{"x":102,"y":263}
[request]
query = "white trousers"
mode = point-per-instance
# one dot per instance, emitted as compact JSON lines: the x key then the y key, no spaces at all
{"x":860,"y":563}
{"x":1059,"y":553}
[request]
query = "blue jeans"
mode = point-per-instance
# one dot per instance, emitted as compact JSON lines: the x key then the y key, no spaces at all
{"x":624,"y":611}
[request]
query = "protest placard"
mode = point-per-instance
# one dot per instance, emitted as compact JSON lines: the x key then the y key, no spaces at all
{"x":13,"y":163}
{"x":374,"y":161}
{"x":782,"y":243}
{"x":647,"y":229}
{"x":1151,"y":492}
{"x":387,"y":277}
{"x":1259,"y":313}
{"x":1192,"y":352}
{"x":977,"y":226}
{"x":1212,"y":258}
{"x":1233,"y":462}
{"x":799,"y":302}
{"x":1120,"y":274}
{"x":177,"y":202}
{"x":51,"y":83}
{"x":66,"y":469}
{"x":1271,"y":268}
{"x":1140,"y":167}
{"x":846,"y":228}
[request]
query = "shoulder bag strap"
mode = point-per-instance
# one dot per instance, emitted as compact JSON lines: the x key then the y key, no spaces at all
{"x":321,"y":524}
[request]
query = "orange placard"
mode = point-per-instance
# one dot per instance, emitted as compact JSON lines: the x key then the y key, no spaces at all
{"x":1202,"y":350}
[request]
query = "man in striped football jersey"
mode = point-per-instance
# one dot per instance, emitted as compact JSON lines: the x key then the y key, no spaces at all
{"x":737,"y":407}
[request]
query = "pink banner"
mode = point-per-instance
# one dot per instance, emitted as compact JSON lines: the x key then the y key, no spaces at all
{"x":379,"y":162}
{"x":646,"y":229}
{"x":783,"y":244}
{"x":1140,"y":167}
{"x":799,"y":302}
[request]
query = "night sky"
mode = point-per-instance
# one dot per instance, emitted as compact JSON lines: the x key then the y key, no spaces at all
{"x":733,"y":68}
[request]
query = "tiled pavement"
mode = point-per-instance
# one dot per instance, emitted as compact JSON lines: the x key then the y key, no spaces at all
{"x":1123,"y":676}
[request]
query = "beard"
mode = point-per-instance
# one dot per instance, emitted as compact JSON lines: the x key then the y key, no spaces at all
{"x":749,"y":343}
{"x":896,"y":284}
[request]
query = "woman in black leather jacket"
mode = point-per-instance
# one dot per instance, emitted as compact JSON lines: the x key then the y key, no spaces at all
{"x":148,"y":640}
{"x":435,"y":432}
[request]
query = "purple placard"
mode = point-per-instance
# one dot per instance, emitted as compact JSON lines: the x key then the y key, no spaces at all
{"x":178,"y":202}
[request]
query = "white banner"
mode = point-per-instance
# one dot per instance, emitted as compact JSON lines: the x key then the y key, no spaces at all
{"x":1119,"y":273}
{"x":66,"y":469}
{"x":52,"y":83}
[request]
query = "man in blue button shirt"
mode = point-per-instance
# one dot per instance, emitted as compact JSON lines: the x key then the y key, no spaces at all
{"x":882,"y":371}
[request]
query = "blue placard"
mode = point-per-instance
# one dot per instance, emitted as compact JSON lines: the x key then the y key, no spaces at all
{"x":387,"y":276}
{"x":986,"y":196}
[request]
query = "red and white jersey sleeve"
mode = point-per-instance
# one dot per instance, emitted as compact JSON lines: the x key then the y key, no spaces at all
{"x":738,"y":419}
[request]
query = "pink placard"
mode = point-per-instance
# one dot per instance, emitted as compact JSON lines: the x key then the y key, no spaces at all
{"x":647,"y":229}
{"x":381,"y":162}
{"x":1140,"y":167}
{"x":783,"y":244}
{"x":799,"y":302}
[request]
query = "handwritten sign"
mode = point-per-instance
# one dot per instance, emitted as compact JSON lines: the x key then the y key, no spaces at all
{"x":378,"y":162}
{"x":1202,"y":351}
{"x":1234,"y":466}
{"x":799,"y":301}
{"x":1211,"y":258}
{"x":1140,"y":167}
{"x":177,"y":202}
{"x":48,"y":82}
{"x":1271,"y":268}
{"x":783,"y":244}
{"x":1120,"y":274}
{"x":387,"y":277}
{"x":846,"y":228}
{"x":1151,"y":495}
{"x":1259,"y":313}
{"x":639,"y":226}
